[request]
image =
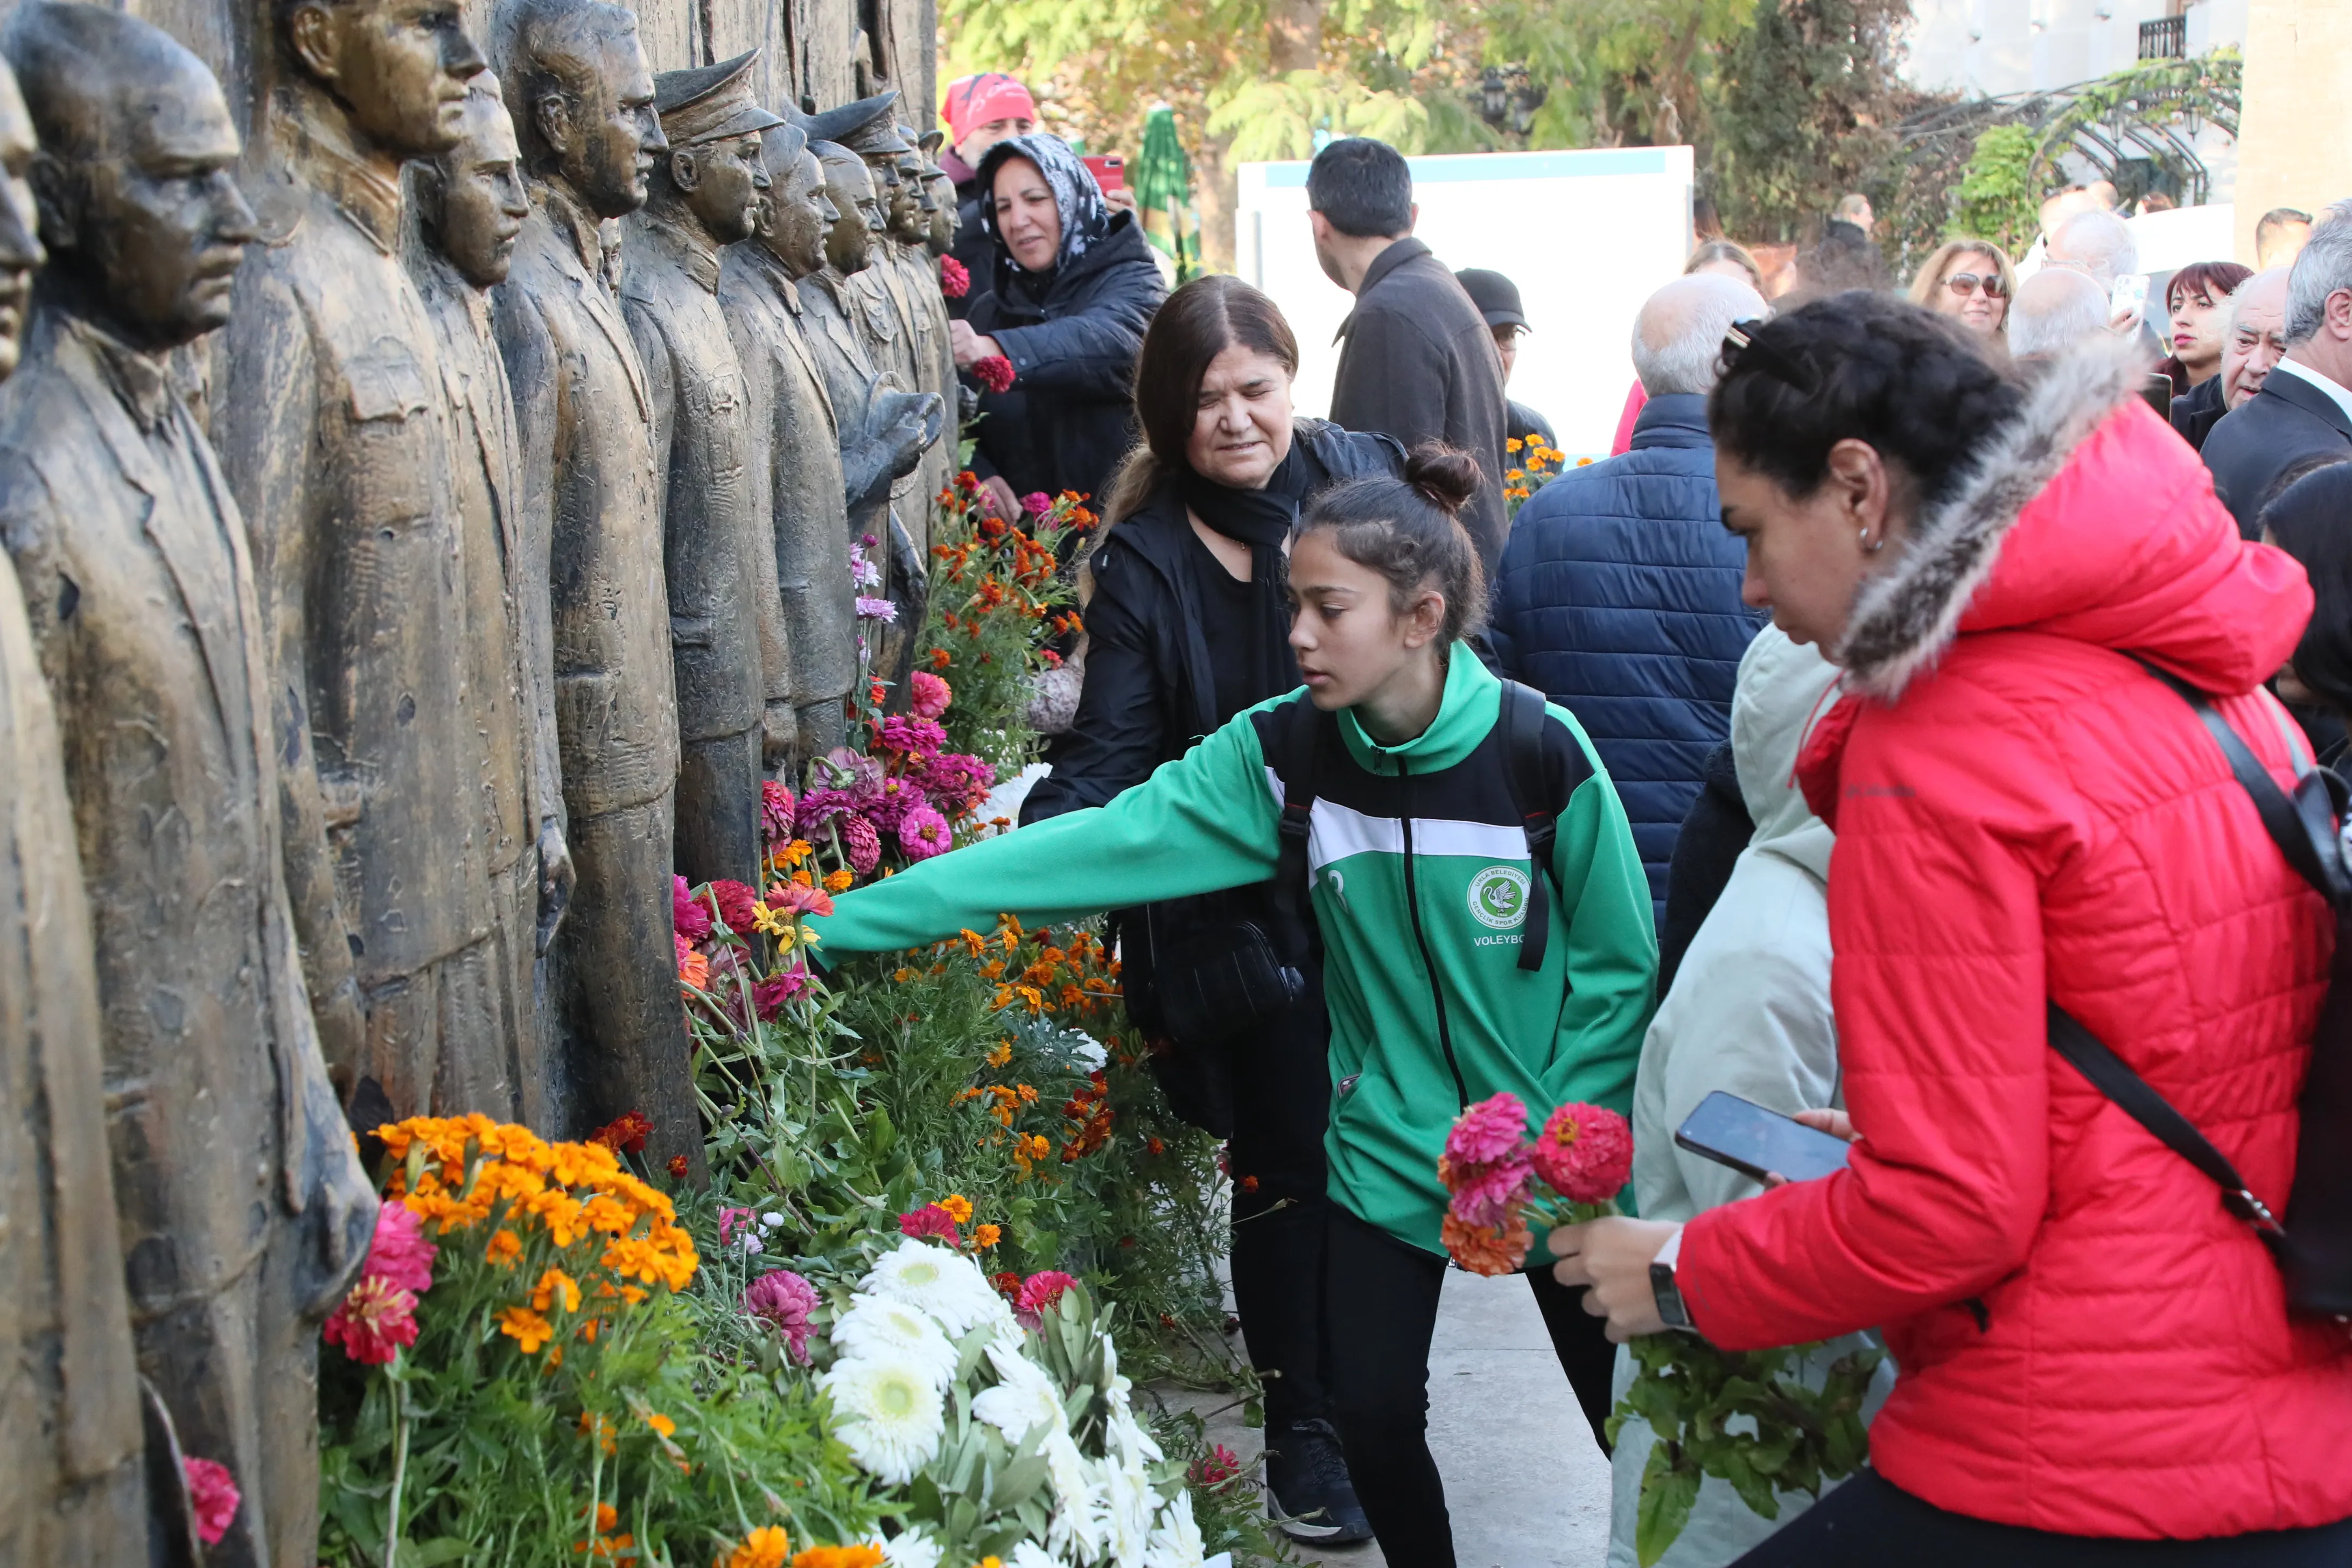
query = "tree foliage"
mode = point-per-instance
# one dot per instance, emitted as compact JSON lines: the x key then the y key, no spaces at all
{"x":1998,"y":199}
{"x":1810,"y":98}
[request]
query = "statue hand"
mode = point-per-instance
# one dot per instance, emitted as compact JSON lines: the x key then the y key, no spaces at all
{"x":557,"y":878}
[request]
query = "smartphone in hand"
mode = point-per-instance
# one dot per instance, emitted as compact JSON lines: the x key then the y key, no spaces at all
{"x":1758,"y":1142}
{"x":1109,"y":170}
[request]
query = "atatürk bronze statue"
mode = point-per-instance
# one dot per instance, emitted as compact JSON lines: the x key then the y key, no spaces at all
{"x":470,"y":208}
{"x":243,"y":1209}
{"x":704,"y":198}
{"x":71,"y":1492}
{"x":582,"y":102}
{"x":796,"y":480}
{"x":333,"y":431}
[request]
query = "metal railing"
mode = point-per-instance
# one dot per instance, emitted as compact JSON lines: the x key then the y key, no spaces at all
{"x":2165,"y":39}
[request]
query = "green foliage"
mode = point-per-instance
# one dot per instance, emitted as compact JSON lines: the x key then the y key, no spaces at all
{"x":1998,"y":199}
{"x":1808,"y":100}
{"x":998,"y":594}
{"x":1742,"y":1417}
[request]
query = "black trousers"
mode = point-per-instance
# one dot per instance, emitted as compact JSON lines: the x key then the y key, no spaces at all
{"x":1870,"y":1522}
{"x":1380,"y":1308}
{"x":1282,"y":1102}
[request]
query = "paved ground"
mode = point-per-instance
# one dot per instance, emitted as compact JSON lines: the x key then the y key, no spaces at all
{"x":1525,"y":1483}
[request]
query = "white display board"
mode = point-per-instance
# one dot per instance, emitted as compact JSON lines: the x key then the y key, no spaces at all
{"x":1586,"y":236}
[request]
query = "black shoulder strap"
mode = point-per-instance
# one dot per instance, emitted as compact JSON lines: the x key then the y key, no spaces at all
{"x":1532,"y":795}
{"x":1300,"y":737}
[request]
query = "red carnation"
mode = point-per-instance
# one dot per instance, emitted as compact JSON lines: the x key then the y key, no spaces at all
{"x":955,"y":281}
{"x":736,"y":905}
{"x":1585,"y":1153}
{"x":213,"y":1491}
{"x":994,"y":373}
{"x":930,"y":1220}
{"x":626,"y":1135}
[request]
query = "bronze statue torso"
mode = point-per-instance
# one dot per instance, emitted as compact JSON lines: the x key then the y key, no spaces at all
{"x":935,"y":365}
{"x":229,"y":1152}
{"x":800,"y":488}
{"x":335,"y":442}
{"x":590,"y":507}
{"x":831,"y":310}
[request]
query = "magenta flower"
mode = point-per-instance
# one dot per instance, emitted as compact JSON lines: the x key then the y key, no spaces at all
{"x":957,"y":782}
{"x":1585,"y":1153}
{"x":730,"y":1218}
{"x":775,"y":810}
{"x":1038,"y":1292}
{"x":691,"y":916}
{"x":213,"y":1491}
{"x":861,"y":843}
{"x":870,"y":608}
{"x":930,"y":695}
{"x":799,"y":898}
{"x":994,"y":373}
{"x":784,"y":1300}
{"x":924,"y":833}
{"x":819,"y":806}
{"x":1488,"y":1193}
{"x":769,"y":996}
{"x":910,"y":735}
{"x":854,"y":772}
{"x":374,"y":1322}
{"x":399,"y":1252}
{"x":930,"y":1220}
{"x":736,"y":905}
{"x":1487,"y":1131}
{"x":899,"y":796}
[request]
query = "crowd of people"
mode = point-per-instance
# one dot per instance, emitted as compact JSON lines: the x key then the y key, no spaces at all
{"x":1846,"y":680}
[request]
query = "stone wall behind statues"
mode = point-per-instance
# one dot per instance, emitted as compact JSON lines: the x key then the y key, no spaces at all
{"x":822,"y":51}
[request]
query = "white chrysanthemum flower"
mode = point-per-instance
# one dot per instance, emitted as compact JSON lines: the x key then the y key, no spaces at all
{"x":1127,"y":1439}
{"x":1077,"y":1527}
{"x":1176,"y":1542}
{"x":1029,"y":1554}
{"x":913,"y":1548}
{"x":879,"y":1328}
{"x":947,"y":1285}
{"x":1023,"y":1399}
{"x":889,"y":1415}
{"x":1129,"y":1502}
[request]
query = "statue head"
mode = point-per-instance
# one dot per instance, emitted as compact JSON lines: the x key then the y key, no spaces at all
{"x":945,"y":218}
{"x":582,"y":98}
{"x":136,"y":176}
{"x":911,"y":201}
{"x":20,"y":252}
{"x":716,"y":175}
{"x":797,"y":214}
{"x":849,"y":243}
{"x":398,"y":67}
{"x":472,"y":198}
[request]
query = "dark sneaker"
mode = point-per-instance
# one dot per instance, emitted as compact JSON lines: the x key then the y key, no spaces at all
{"x":1307,"y":1492}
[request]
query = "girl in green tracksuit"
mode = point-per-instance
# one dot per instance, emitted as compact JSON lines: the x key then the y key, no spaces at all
{"x":1420,"y":885}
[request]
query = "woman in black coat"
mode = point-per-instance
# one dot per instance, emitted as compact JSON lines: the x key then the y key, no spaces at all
{"x":1189,"y":624}
{"x":1072,"y":289}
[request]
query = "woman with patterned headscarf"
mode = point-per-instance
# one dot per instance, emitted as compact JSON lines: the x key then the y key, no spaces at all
{"x":1071,"y":288}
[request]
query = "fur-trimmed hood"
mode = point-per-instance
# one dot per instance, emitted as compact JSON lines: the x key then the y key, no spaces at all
{"x":2085,"y":516}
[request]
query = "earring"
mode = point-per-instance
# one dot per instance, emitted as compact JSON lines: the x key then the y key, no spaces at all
{"x":1873,"y":548}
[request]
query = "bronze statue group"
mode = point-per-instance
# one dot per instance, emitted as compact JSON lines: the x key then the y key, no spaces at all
{"x":428,"y":544}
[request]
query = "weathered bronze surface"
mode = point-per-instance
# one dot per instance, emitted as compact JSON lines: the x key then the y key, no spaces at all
{"x":583,"y":104}
{"x":704,"y":198}
{"x":797,"y":478}
{"x":243,"y":1211}
{"x":71,"y":1492}
{"x":917,"y":276}
{"x":470,"y":204}
{"x":331,"y":427}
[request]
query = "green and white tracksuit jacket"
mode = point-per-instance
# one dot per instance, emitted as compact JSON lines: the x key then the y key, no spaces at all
{"x":1420,"y":877}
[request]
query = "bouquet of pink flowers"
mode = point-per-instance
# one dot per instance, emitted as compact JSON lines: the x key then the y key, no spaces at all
{"x":1499,"y":1178}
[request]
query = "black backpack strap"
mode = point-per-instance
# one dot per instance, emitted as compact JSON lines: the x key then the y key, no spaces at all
{"x":2138,"y":1100}
{"x":1532,"y":796}
{"x":1301,"y":747}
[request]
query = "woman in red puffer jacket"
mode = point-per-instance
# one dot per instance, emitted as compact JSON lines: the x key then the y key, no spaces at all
{"x":2089,"y":1345}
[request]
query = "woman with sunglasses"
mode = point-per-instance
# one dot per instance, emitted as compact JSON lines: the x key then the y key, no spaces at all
{"x":1970,"y":280}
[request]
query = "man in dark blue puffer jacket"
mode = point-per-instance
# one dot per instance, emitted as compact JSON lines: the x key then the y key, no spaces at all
{"x":1618,"y":595}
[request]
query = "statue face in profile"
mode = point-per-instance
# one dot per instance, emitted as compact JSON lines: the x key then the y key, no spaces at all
{"x":607,"y":137}
{"x":910,"y":204}
{"x":20,"y":251}
{"x":849,"y":243}
{"x":482,"y":202}
{"x":800,"y":215}
{"x":944,"y":223}
{"x":723,"y":181}
{"x":399,"y":66}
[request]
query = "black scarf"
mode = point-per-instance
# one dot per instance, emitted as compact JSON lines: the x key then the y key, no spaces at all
{"x":1263,"y":520}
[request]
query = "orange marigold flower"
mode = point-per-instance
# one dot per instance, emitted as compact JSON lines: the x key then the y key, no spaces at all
{"x":1028,"y":1095}
{"x":838,"y":880}
{"x":763,"y":1548}
{"x":504,"y":1249}
{"x":985,"y":1236}
{"x":552,"y":1284}
{"x":959,"y":1207}
{"x":526,"y":1328}
{"x":1002,"y":1054}
{"x":840,"y":1557}
{"x":597,"y":1430}
{"x":661,"y":1424}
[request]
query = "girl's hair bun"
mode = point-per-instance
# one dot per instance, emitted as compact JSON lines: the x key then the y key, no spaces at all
{"x":1447,"y":475}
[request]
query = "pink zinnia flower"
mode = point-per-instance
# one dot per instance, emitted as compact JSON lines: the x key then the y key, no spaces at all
{"x":994,"y":373}
{"x":820,"y":807}
{"x":213,"y":1493}
{"x":775,"y":810}
{"x":1585,"y":1153}
{"x":691,"y":914}
{"x":924,"y":833}
{"x":735,"y":903}
{"x":955,"y":277}
{"x":1487,"y":1131}
{"x":769,"y":996}
{"x":784,"y":1300}
{"x":930,"y":1220}
{"x":861,"y":843}
{"x":374,"y":1321}
{"x":910,"y":735}
{"x":729,"y":1218}
{"x":1036,"y":503}
{"x":930,"y":695}
{"x":799,"y":898}
{"x":957,"y":782}
{"x":898,"y":797}
{"x":1488,"y":1194}
{"x":399,"y":1252}
{"x":1038,"y":1292}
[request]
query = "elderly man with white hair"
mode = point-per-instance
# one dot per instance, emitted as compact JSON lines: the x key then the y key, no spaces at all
{"x":1618,"y":595}
{"x":2055,"y":310}
{"x":2305,"y":407}
{"x":2253,"y":337}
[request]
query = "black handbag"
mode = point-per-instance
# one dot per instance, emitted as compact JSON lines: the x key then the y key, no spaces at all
{"x":2313,"y":1243}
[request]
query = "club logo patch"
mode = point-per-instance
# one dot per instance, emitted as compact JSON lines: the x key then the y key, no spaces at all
{"x":1498,"y":896}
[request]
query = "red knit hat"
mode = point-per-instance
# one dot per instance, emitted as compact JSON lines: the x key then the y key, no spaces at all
{"x":973,"y":101}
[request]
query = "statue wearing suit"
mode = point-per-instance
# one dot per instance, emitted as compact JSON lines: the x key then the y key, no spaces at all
{"x":582,"y":105}
{"x":244,"y":1213}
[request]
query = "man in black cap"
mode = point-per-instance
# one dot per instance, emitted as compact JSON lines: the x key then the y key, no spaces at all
{"x":1497,"y":298}
{"x":725,"y":619}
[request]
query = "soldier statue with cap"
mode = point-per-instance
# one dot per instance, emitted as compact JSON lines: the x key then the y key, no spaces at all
{"x":915,"y":276}
{"x":724,"y":615}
